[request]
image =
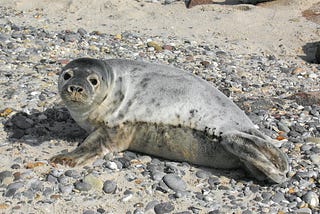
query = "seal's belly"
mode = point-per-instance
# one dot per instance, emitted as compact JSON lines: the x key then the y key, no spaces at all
{"x":181,"y":144}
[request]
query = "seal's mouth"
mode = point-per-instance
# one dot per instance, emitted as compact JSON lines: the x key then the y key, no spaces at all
{"x":75,"y":97}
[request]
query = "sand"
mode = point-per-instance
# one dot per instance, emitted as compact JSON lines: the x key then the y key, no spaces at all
{"x":276,"y":27}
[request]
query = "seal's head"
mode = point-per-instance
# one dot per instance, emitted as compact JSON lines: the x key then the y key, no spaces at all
{"x":84,"y":83}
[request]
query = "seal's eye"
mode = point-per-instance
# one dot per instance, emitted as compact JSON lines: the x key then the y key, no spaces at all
{"x":66,"y":76}
{"x":93,"y":81}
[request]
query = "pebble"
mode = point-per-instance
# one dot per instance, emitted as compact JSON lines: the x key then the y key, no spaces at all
{"x":312,"y":199}
{"x":66,"y":189}
{"x":162,"y":208}
{"x":93,"y":181}
{"x":73,"y":173}
{"x":109,"y":186}
{"x":111,"y":165}
{"x":203,"y":174}
{"x":303,"y":211}
{"x":127,"y":195}
{"x":174,"y":182}
{"x":315,"y":158}
{"x":6,"y":177}
{"x":151,"y":205}
{"x":82,"y":186}
{"x":12,"y":188}
{"x":278,"y":197}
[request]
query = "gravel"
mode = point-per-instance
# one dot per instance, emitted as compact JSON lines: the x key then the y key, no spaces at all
{"x":34,"y":126}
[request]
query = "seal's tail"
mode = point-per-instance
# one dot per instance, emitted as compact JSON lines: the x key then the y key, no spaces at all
{"x":259,"y":156}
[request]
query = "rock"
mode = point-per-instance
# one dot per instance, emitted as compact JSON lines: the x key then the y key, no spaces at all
{"x":66,"y":189}
{"x":94,"y":181}
{"x":82,"y":186}
{"x":312,"y":199}
{"x":12,"y":188}
{"x":6,"y":177}
{"x":151,"y":205}
{"x":203,"y":174}
{"x":154,"y":45}
{"x":278,"y":197}
{"x":72,"y":173}
{"x":127,"y":195}
{"x":109,"y":186}
{"x":89,"y":212}
{"x":111,"y":165}
{"x":303,"y":211}
{"x":174,"y":182}
{"x":315,"y":158}
{"x":165,"y":207}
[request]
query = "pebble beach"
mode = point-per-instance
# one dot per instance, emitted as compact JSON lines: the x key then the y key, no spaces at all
{"x":275,"y":86}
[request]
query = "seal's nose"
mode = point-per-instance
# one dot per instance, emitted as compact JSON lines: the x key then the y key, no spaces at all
{"x":75,"y":88}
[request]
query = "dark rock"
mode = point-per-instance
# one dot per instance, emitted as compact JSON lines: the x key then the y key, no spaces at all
{"x":278,"y":197}
{"x":82,"y":186}
{"x":4,"y":175}
{"x":109,"y":186}
{"x":165,"y":207}
{"x":174,"y":182}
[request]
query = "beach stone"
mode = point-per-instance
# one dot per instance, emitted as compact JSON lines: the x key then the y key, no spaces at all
{"x":162,"y":208}
{"x":306,"y":147}
{"x":111,"y":165}
{"x":109,"y":186}
{"x":266,"y":195}
{"x":151,"y":205}
{"x":127,"y":195}
{"x":52,"y":179}
{"x":47,"y":191}
{"x":214,"y":181}
{"x":174,"y":182}
{"x":278,"y":197}
{"x":101,"y":210}
{"x":94,"y":181}
{"x":154,"y":45}
{"x":312,"y":199}
{"x":66,"y":189}
{"x":157,"y":176}
{"x":12,"y":188}
{"x":315,"y":158}
{"x":283,"y":127}
{"x":29,"y":194}
{"x":72,"y":173}
{"x":89,"y":212}
{"x":303,"y":211}
{"x":82,"y":186}
{"x":6,"y":177}
{"x":203,"y":174}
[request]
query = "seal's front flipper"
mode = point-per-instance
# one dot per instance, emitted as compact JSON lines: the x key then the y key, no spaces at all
{"x":95,"y":145}
{"x":259,"y":156}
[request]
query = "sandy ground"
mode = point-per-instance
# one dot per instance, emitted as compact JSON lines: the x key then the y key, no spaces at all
{"x":273,"y":28}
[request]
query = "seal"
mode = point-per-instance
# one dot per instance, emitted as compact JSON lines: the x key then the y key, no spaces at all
{"x":162,"y":111}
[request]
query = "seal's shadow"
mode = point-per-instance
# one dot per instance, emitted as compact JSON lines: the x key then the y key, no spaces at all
{"x":310,"y":51}
{"x":38,"y":127}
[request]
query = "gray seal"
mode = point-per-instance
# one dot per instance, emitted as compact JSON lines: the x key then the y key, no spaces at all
{"x":162,"y":111}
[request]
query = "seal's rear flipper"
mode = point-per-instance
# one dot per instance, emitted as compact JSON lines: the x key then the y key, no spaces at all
{"x":260,"y":157}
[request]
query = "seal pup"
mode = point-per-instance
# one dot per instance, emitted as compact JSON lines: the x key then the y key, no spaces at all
{"x":162,"y":111}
